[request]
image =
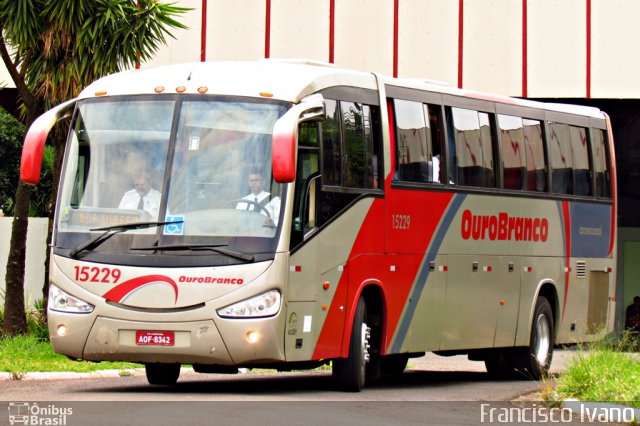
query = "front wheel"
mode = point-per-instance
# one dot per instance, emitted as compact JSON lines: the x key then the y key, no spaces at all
{"x":350,"y":372}
{"x":162,"y":374}
{"x":534,"y":361}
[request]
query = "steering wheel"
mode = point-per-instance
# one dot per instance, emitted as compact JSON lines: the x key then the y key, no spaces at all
{"x":261,"y":208}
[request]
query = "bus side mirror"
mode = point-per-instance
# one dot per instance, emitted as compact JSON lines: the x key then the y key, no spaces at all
{"x":35,"y":139}
{"x":285,"y":135}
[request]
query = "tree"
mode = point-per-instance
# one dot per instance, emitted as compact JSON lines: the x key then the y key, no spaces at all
{"x":52,"y":49}
{"x":11,"y":133}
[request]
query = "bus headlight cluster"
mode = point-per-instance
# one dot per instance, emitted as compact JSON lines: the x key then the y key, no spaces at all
{"x":64,"y":302}
{"x":264,"y":305}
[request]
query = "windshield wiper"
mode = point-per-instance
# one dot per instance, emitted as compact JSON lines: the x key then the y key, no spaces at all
{"x":111,"y":231}
{"x":201,"y":247}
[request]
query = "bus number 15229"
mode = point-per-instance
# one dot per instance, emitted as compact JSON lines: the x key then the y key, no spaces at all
{"x":97,"y":275}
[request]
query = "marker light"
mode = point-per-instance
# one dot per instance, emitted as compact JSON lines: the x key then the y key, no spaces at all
{"x":61,"y":330}
{"x":264,"y":305}
{"x":101,"y":93}
{"x":159,"y":89}
{"x":64,"y":302}
{"x":203,"y":89}
{"x":253,"y":336}
{"x":181,"y":89}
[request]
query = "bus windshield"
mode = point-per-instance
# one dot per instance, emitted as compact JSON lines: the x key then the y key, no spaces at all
{"x":203,"y":165}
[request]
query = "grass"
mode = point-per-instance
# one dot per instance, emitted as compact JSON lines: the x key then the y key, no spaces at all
{"x":603,"y":371}
{"x":28,"y":353}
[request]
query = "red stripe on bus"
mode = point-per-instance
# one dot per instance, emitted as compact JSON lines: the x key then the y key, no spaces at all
{"x":567,"y":254}
{"x":121,"y":291}
{"x":614,"y":186}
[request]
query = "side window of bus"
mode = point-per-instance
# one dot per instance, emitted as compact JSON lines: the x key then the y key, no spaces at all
{"x":418,"y":141}
{"x":561,"y":159}
{"x":534,"y":152}
{"x":437,"y":142}
{"x":600,"y":164}
{"x":331,"y":149}
{"x":513,"y":151}
{"x":307,"y":182}
{"x":581,"y":169}
{"x":360,"y":153}
{"x":412,"y":142}
{"x":471,"y":157}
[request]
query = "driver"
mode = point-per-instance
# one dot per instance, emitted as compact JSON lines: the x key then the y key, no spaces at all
{"x":142,"y":196}
{"x":260,"y":200}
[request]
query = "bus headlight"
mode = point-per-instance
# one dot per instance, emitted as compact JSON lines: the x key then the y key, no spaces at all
{"x":64,"y":302}
{"x":264,"y":305}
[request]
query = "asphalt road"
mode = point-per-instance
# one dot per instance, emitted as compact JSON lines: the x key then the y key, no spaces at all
{"x":434,"y":390}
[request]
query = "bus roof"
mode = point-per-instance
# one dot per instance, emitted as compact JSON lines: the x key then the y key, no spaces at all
{"x":277,"y":79}
{"x":283,"y":79}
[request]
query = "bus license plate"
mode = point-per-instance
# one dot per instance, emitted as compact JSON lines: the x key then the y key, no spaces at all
{"x":155,"y":338}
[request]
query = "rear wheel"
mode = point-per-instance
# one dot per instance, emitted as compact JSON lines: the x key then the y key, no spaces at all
{"x":350,"y":372}
{"x":534,"y":361}
{"x":162,"y":374}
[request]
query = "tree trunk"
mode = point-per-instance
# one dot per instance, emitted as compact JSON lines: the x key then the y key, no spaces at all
{"x":15,"y":318}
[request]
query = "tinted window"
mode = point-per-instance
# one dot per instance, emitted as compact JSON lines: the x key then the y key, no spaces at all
{"x":600,"y":164}
{"x":513,"y":151}
{"x":471,"y":159}
{"x":359,"y":159}
{"x":534,"y":153}
{"x":412,"y":141}
{"x":332,"y":155}
{"x":561,"y":159}
{"x":581,"y":171}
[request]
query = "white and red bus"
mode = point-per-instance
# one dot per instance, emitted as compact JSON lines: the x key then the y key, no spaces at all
{"x":388,"y":218}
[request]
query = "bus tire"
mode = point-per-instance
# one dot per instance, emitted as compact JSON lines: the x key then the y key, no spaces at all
{"x":162,"y":374}
{"x":350,"y":372}
{"x":394,"y":365}
{"x":534,"y":361}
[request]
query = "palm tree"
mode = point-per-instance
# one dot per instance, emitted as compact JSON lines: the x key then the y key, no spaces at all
{"x":52,"y":49}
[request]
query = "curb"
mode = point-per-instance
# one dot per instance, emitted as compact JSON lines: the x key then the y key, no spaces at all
{"x":70,"y":375}
{"x":125,"y":372}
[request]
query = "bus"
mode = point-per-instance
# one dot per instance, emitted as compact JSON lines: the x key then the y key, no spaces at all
{"x":288,"y":214}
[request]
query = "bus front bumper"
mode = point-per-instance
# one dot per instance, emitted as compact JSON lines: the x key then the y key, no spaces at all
{"x":231,"y":342}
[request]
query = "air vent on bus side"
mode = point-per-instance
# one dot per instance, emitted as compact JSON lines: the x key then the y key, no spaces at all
{"x":581,"y":269}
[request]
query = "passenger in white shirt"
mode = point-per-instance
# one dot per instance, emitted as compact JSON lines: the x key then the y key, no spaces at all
{"x":260,"y":200}
{"x":142,"y":197}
